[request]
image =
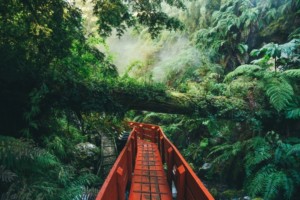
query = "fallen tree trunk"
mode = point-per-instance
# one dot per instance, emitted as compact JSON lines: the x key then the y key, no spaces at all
{"x":120,"y":98}
{"x":180,"y":103}
{"x":168,"y":102}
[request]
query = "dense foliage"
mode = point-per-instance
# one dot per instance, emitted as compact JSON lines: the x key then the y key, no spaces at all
{"x":57,"y":93}
{"x":236,"y":64}
{"x":249,"y":50}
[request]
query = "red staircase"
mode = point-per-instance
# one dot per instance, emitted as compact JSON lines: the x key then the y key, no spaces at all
{"x":140,"y":166}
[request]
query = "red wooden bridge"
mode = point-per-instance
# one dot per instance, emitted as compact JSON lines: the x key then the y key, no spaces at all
{"x":147,"y":167}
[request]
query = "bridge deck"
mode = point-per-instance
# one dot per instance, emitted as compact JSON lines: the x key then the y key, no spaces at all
{"x":142,"y":163}
{"x":149,"y":180}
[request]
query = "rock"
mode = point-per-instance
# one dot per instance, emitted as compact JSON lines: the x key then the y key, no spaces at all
{"x":86,"y":149}
{"x":206,"y":166}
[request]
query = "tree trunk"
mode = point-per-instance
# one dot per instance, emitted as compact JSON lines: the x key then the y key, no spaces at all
{"x":179,"y":103}
{"x":115,"y":99}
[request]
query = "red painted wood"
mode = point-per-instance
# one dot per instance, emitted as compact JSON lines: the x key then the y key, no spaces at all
{"x":149,"y":179}
{"x":110,"y":188}
{"x":147,"y":149}
{"x":180,"y":182}
{"x":122,"y":180}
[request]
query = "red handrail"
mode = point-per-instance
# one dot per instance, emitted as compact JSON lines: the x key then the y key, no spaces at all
{"x":188,"y":185}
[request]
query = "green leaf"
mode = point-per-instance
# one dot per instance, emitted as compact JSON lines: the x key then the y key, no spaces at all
{"x":204,"y":143}
{"x":280,"y":94}
{"x":293,"y":113}
{"x":243,"y":48}
{"x":295,"y":149}
{"x":292,"y":73}
{"x":242,"y":70}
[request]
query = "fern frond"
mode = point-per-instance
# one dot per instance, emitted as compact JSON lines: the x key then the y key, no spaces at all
{"x":91,"y":193}
{"x":258,"y":182}
{"x":56,"y":145}
{"x":290,"y":47}
{"x":260,"y":154}
{"x":46,"y":160}
{"x":295,"y":175}
{"x":280,"y":93}
{"x":288,"y":186}
{"x":14,"y":151}
{"x":219,"y":148}
{"x":227,"y":151}
{"x":88,"y":193}
{"x":273,"y":183}
{"x":45,"y":188}
{"x":85,"y":179}
{"x":242,"y":70}
{"x":249,"y":16}
{"x":293,"y":113}
{"x":78,"y":188}
{"x":294,"y":149}
{"x":6,"y":175}
{"x":292,"y":73}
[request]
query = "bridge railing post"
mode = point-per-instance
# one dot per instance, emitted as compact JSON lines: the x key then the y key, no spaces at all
{"x":181,"y":182}
{"x":141,"y":131}
{"x":121,"y":181}
{"x":170,"y":165}
{"x":154,"y":135}
{"x":161,"y":148}
{"x":129,"y":162}
{"x":134,"y":148}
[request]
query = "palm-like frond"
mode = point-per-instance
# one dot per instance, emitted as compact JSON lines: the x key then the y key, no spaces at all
{"x":78,"y":189}
{"x":294,"y":149}
{"x":242,"y":70}
{"x":14,"y":151}
{"x":292,"y":73}
{"x":272,"y":179}
{"x":6,"y":175}
{"x":258,"y":181}
{"x":272,"y":184}
{"x":280,"y":93}
{"x":225,"y":152}
{"x":268,"y":181}
{"x":259,"y":151}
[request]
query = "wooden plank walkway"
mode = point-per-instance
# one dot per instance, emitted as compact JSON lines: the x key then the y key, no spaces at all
{"x":140,"y":164}
{"x":149,"y":181}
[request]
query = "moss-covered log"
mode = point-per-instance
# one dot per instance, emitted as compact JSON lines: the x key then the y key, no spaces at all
{"x":179,"y":103}
{"x":120,"y":97}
